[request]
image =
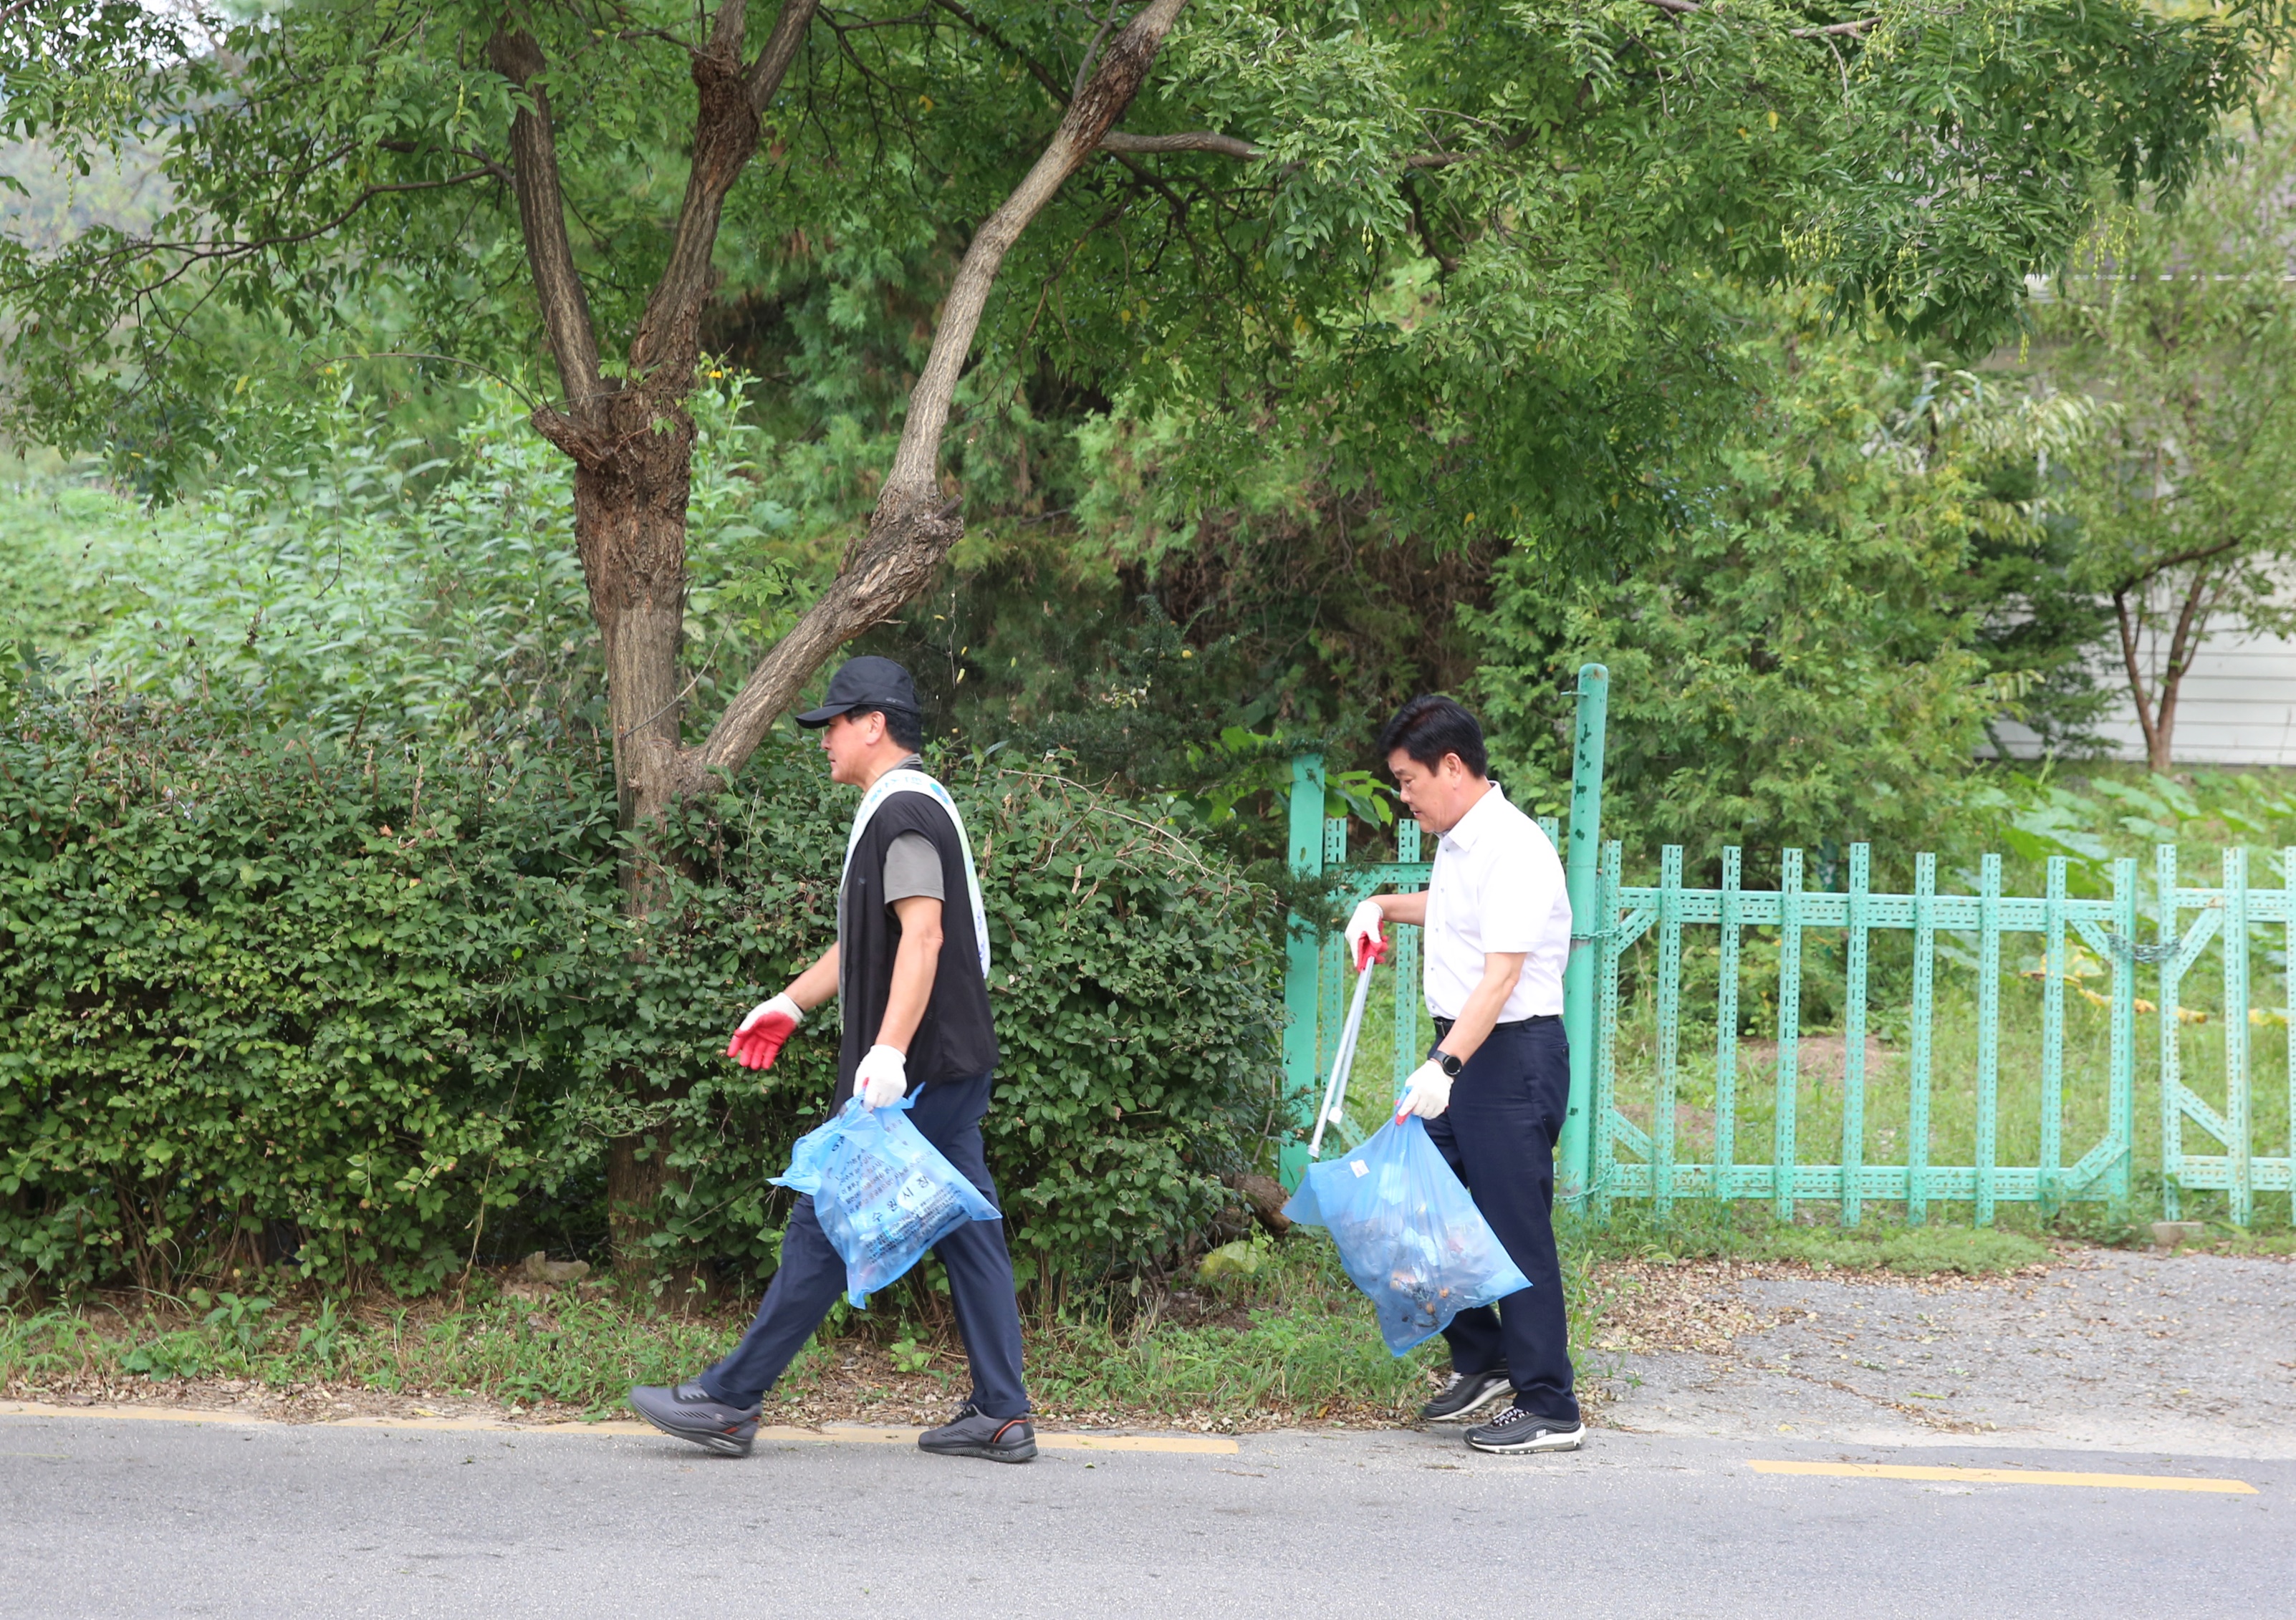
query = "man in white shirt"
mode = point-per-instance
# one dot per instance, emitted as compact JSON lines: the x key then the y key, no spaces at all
{"x":1496,"y":1085}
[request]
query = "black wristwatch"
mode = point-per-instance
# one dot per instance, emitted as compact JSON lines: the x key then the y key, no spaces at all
{"x":1444,"y":1060}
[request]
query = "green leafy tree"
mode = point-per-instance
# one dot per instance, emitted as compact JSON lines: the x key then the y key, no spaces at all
{"x":1480,"y":251}
{"x":2180,"y":331}
{"x":1477,"y":251}
{"x":1792,"y":665}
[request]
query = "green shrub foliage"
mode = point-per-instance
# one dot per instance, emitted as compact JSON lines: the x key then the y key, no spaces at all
{"x":380,"y":1010}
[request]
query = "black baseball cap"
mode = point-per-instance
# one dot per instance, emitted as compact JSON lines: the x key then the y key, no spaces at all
{"x":868,"y":683}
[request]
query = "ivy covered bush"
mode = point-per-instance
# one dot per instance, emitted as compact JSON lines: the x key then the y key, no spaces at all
{"x":380,"y":1011}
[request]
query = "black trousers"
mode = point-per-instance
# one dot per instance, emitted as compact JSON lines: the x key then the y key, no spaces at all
{"x":1499,"y":1134}
{"x":946,"y":1114}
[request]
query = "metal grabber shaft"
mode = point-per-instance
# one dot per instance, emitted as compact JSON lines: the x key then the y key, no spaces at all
{"x":1343,"y":1060}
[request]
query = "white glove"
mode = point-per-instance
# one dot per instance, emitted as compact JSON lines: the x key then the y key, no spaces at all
{"x":883,"y":1077}
{"x":1427,"y":1093}
{"x":1366,"y":923}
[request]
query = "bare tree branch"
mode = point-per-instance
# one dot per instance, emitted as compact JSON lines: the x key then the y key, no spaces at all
{"x":2156,"y":711}
{"x":726,"y":131}
{"x":1037,"y":70}
{"x":1235,"y":146}
{"x":2182,"y":646}
{"x":1227,"y":146}
{"x":2175,"y":560}
{"x":913,"y":527}
{"x":137,"y":248}
{"x":1685,"y":8}
{"x":542,"y":221}
{"x":725,"y":29}
{"x":2130,"y":661}
{"x":773,"y":64}
{"x":1084,"y":68}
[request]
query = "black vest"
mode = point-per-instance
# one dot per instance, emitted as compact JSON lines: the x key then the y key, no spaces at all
{"x":955,"y":1039}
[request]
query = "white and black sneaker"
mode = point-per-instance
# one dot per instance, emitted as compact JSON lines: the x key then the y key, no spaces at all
{"x":1516,"y":1431}
{"x":1464,"y":1392}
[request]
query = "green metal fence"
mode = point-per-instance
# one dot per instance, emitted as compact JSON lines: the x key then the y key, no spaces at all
{"x":2150,"y":943}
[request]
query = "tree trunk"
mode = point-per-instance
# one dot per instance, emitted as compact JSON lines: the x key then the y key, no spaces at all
{"x":2156,"y":724}
{"x":2158,"y":720}
{"x":629,"y":524}
{"x":2159,"y":750}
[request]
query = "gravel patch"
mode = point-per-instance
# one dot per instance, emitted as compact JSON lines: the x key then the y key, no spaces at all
{"x":2107,"y":1349}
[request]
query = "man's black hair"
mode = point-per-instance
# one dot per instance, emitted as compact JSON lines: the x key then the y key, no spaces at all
{"x":1431,"y":725}
{"x":905,"y":726}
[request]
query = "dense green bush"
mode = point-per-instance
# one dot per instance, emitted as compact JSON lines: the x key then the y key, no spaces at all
{"x":1789,"y":664}
{"x":380,"y":1009}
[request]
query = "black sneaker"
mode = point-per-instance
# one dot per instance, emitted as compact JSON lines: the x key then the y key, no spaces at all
{"x":1465,"y":1392}
{"x":973,"y":1434}
{"x":1515,"y":1430}
{"x":689,"y":1413}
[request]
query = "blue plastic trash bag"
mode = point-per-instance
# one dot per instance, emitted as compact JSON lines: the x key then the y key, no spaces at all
{"x":881,"y":1192}
{"x":1409,"y":1235}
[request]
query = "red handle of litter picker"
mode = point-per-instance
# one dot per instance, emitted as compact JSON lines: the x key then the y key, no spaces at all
{"x":1369,"y":950}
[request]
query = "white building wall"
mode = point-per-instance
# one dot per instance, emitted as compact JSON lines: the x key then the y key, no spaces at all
{"x":2238,"y":706}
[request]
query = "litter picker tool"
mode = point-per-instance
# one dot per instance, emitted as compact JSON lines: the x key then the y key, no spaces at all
{"x":1333,"y":1107}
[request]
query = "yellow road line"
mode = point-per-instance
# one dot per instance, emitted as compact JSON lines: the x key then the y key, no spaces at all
{"x":2122,"y":1482}
{"x":1201,"y":1446}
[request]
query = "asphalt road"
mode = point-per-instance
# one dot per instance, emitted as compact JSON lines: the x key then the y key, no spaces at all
{"x":108,"y":1517}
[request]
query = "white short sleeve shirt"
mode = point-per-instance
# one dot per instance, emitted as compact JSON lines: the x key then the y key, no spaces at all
{"x":1497,"y":885}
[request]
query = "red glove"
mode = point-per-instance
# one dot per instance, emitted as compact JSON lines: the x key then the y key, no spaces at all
{"x":758,"y":1041}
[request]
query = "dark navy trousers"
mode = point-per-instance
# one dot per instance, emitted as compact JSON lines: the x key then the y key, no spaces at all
{"x":1499,"y":1134}
{"x":812,"y":1276}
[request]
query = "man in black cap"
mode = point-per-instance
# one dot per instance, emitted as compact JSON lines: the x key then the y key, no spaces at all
{"x":914,"y":1001}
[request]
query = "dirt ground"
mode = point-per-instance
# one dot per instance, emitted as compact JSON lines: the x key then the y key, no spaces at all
{"x":2103,"y":1348}
{"x":862,"y":1386}
{"x":2106,"y":1348}
{"x":858,"y":1383}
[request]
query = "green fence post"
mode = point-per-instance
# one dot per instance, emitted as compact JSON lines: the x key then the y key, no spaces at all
{"x":1918,"y":1060}
{"x":1788,"y":1071}
{"x":1410,"y":996}
{"x":1988,"y":1031}
{"x":1853,"y":1036}
{"x":1725,"y":1032}
{"x":2240,"y":1149}
{"x":1302,"y":956}
{"x":2051,"y":1178}
{"x":1669,"y":1029}
{"x":1604,"y":1103}
{"x":2121,"y":1115}
{"x":1581,"y":882}
{"x":2172,"y":1065}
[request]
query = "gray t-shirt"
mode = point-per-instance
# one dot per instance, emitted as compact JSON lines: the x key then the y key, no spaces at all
{"x":911,"y":868}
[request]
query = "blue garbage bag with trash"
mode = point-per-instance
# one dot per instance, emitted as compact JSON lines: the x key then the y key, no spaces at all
{"x":883,"y":1194}
{"x":1409,"y":1235}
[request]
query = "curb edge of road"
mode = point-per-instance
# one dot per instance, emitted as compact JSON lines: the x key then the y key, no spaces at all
{"x":845,"y":1434}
